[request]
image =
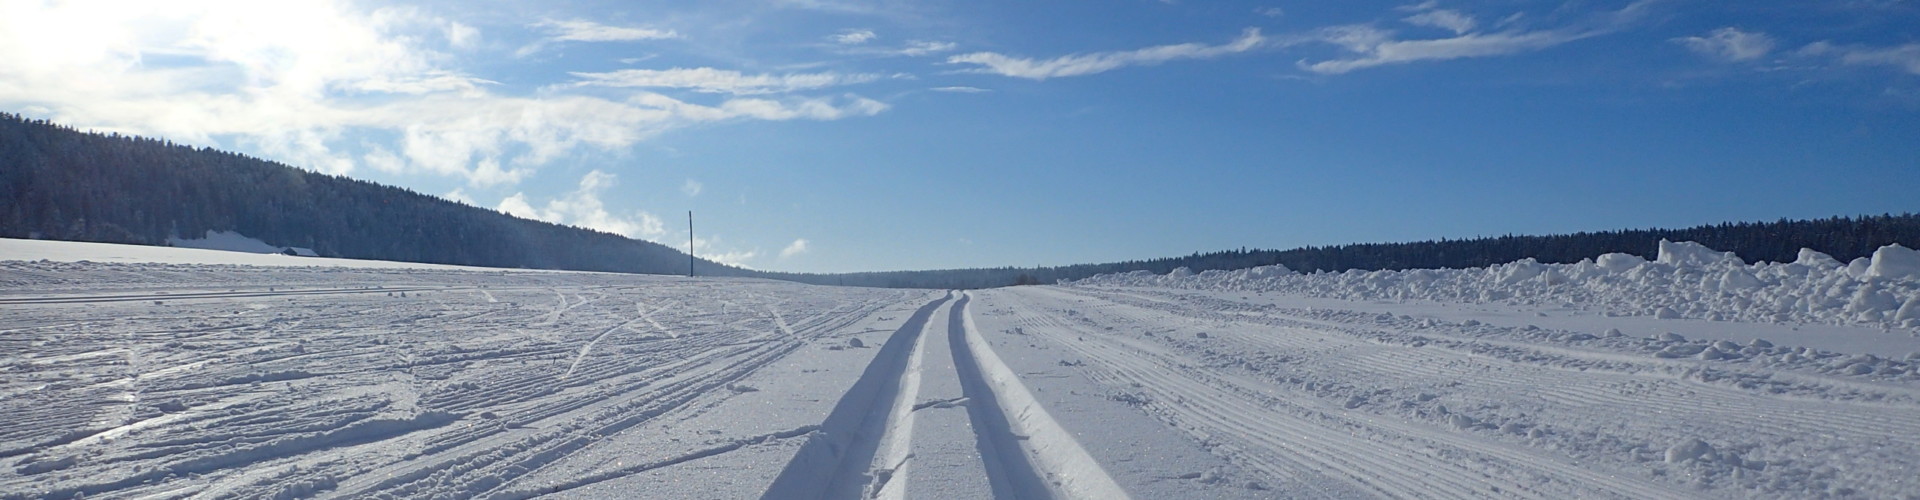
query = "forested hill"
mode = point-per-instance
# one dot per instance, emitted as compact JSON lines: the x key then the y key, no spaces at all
{"x":63,"y":184}
{"x":60,"y":183}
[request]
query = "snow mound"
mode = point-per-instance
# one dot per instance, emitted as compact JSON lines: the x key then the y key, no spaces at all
{"x":1687,"y":280}
{"x":1811,"y":258}
{"x":1895,"y":262}
{"x":1690,"y":254}
{"x":1619,"y":262}
{"x":235,"y":242}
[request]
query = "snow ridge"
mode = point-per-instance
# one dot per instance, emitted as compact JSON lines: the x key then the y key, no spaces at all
{"x":1686,"y":280}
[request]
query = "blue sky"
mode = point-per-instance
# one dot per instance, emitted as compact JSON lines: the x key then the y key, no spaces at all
{"x":823,"y":136}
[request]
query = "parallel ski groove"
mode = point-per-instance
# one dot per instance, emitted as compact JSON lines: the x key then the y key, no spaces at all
{"x":836,"y":460}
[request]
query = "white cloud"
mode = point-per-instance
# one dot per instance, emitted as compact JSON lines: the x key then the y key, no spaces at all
{"x":1270,"y":11}
{"x":692,"y":188}
{"x":314,"y":84}
{"x":462,"y":36}
{"x":581,"y":30}
{"x":1422,"y":6}
{"x":1450,"y":20}
{"x":1099,"y":62}
{"x":852,"y":37}
{"x":961,"y":90}
{"x":460,"y":196}
{"x":1729,"y":44}
{"x":517,"y":206}
{"x":714,"y":249}
{"x":583,"y":208}
{"x":1903,"y":57}
{"x":711,"y":80}
{"x":1375,"y":47}
{"x":798,"y":247}
{"x":918,"y":48}
{"x":1370,"y":46}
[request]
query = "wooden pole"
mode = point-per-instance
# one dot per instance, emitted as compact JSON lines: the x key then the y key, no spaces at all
{"x":690,"y":258}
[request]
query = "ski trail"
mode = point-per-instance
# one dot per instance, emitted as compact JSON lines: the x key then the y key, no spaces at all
{"x":889,"y":482}
{"x":781,"y":321}
{"x":648,"y":316}
{"x":835,"y":461}
{"x":1297,"y":441}
{"x":554,"y":316}
{"x":1033,"y":456}
{"x":589,"y":347}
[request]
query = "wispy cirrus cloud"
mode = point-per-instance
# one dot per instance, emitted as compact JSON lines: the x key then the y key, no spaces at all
{"x":1730,"y":44}
{"x":1100,"y":62}
{"x":1369,"y":46}
{"x":720,"y":81}
{"x":1375,"y":47}
{"x":1904,"y":57}
{"x":852,"y":37}
{"x":581,"y":30}
{"x":1450,"y":20}
{"x":917,"y":48}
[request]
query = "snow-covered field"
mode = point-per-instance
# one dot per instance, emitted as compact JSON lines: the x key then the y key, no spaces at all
{"x":132,"y":374}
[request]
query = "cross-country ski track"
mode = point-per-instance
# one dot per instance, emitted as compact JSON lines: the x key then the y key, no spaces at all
{"x":130,"y":380}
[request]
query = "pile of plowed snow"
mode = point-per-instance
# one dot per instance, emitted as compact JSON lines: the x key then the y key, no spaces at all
{"x":1686,"y":280}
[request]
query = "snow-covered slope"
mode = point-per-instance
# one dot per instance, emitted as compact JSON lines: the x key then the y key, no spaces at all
{"x":127,"y":378}
{"x":227,"y":249}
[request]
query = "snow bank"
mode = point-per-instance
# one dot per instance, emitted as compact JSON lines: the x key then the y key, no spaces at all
{"x":1685,"y":280}
{"x":1185,"y":278}
{"x":1895,"y":262}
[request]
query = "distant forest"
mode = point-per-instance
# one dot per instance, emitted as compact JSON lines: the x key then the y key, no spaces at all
{"x":63,"y":184}
{"x":1845,"y":238}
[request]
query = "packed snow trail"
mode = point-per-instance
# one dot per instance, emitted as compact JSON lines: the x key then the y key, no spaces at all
{"x":941,"y":418}
{"x":834,"y":461}
{"x":1051,"y":459}
{"x":130,"y":380}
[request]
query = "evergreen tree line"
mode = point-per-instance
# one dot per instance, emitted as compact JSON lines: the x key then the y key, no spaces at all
{"x":64,"y":184}
{"x":1845,"y":238}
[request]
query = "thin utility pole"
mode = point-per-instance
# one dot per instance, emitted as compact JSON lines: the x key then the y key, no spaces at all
{"x":690,"y":257}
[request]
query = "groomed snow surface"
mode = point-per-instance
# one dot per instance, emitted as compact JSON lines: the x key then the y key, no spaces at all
{"x":135,"y":372}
